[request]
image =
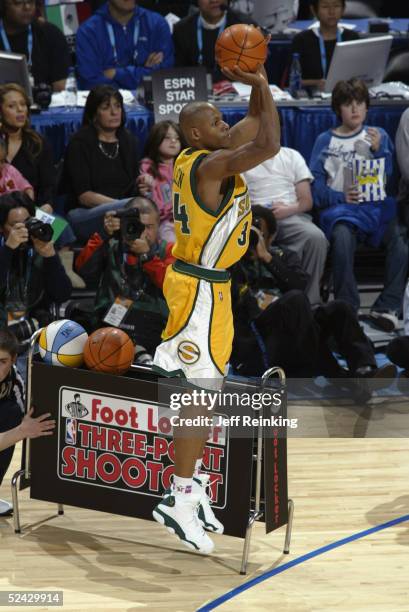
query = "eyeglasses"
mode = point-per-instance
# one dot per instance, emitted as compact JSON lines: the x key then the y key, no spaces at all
{"x":21,"y":2}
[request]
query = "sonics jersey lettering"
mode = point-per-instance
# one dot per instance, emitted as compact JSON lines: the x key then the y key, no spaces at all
{"x":214,"y":239}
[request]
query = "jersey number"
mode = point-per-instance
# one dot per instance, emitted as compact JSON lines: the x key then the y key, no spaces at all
{"x":180,"y":214}
{"x":241,"y":240}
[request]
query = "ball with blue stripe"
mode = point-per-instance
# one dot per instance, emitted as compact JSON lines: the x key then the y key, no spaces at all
{"x":62,"y":343}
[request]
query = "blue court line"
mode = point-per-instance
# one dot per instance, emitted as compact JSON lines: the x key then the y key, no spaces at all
{"x":282,"y":568}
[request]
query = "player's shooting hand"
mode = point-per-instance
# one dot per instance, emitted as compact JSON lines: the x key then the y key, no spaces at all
{"x":374,"y":138}
{"x":111,"y":223}
{"x":353,"y":195}
{"x":255,"y":79}
{"x":34,"y":428}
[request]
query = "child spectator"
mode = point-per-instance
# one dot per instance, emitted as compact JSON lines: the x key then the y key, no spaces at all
{"x":10,"y":177}
{"x":156,"y":168}
{"x":11,"y":401}
{"x":350,"y":165}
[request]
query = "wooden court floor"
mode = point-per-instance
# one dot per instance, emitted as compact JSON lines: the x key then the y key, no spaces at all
{"x":340,"y":487}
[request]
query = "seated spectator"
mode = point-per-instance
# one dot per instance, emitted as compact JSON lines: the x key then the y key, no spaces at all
{"x":101,"y":163}
{"x":195,"y":36}
{"x":156,"y":172}
{"x":31,"y":274}
{"x":10,"y":177}
{"x":316,"y":45}
{"x":11,"y":402}
{"x":275,"y":325}
{"x":27,"y":150}
{"x":349,"y":164}
{"x":402,"y":154}
{"x":282,"y":184}
{"x":120,"y":44}
{"x":131,"y":272}
{"x":42,"y":43}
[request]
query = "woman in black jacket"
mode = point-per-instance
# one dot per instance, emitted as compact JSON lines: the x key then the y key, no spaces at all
{"x":101,"y":163}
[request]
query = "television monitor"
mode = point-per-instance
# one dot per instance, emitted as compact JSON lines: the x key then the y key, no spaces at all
{"x":13,"y":69}
{"x":364,"y":59}
{"x":275,"y":15}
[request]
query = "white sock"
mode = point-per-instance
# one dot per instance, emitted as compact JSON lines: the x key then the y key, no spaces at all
{"x":182,"y":486}
{"x":198,"y":465}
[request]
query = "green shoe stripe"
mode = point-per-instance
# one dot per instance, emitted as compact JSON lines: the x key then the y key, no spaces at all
{"x":170,"y":522}
{"x":201,"y":516}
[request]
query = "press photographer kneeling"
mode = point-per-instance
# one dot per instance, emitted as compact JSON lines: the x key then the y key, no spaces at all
{"x":129,"y":262}
{"x":276,"y":326}
{"x":31,"y":274}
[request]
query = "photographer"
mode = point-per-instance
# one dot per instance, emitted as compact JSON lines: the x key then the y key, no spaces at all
{"x":275,"y":324}
{"x":130,"y":263}
{"x":31,"y":274}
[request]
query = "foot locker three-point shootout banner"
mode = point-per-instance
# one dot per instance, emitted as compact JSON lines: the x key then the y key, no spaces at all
{"x":113,"y":451}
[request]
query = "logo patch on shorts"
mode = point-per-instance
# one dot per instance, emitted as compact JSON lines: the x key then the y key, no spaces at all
{"x":188,"y":352}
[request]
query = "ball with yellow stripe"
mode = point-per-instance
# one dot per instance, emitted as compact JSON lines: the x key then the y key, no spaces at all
{"x":62,"y":343}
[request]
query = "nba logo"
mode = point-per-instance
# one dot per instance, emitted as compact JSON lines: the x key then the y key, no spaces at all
{"x":70,"y":431}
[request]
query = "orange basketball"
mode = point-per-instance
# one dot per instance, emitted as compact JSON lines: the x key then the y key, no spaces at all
{"x":109,"y":350}
{"x":242,"y":45}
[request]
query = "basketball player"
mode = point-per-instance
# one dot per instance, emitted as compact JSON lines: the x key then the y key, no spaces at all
{"x":212,"y":215}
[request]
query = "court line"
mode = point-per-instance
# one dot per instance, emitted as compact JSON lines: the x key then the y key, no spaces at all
{"x":282,"y":568}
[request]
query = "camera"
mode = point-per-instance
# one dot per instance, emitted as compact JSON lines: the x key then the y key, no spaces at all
{"x":38,"y":229}
{"x":254,"y":237}
{"x":131,"y":225}
{"x":23,"y":330}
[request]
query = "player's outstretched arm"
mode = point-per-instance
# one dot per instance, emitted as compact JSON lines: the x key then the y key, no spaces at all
{"x":29,"y":428}
{"x":227,"y":162}
{"x":246,"y":130}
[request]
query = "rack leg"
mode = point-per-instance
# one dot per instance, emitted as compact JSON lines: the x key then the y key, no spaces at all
{"x":14,"y":495}
{"x":288,"y":530}
{"x":60,"y":509}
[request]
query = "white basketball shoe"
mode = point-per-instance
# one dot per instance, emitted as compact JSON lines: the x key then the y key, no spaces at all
{"x":205,"y":513}
{"x":178,"y":513}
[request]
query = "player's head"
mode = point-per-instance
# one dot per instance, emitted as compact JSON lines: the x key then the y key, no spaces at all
{"x":328,"y":12}
{"x":8,"y":352}
{"x":77,"y":397}
{"x":350,"y":102}
{"x":203,"y":127}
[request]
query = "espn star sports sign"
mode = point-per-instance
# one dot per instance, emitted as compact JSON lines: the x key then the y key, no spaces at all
{"x":173,"y":89}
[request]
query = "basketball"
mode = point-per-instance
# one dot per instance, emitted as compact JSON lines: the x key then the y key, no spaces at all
{"x":62,"y":343}
{"x":242,"y":45}
{"x":109,"y":350}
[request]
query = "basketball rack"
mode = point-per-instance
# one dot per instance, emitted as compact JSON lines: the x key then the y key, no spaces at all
{"x":257,"y":510}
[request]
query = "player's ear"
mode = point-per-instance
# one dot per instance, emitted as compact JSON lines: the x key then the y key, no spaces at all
{"x":195,"y":133}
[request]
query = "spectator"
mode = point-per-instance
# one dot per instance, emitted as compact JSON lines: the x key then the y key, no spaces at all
{"x":195,"y":36}
{"x":276,"y":326}
{"x":156,"y":172}
{"x":120,"y":44}
{"x":10,"y":177}
{"x":131,"y":272}
{"x":101,"y":163}
{"x":282,"y":184}
{"x":402,"y":154}
{"x":11,"y":402}
{"x":31,"y":274}
{"x":316,"y":45}
{"x":349,"y":164}
{"x":398,"y":349}
{"x":42,"y":43}
{"x":29,"y":152}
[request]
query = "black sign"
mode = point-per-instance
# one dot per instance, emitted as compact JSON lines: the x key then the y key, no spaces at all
{"x":173,"y":89}
{"x":113,"y":451}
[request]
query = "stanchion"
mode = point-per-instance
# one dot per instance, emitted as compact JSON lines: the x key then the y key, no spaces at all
{"x":255,"y":513}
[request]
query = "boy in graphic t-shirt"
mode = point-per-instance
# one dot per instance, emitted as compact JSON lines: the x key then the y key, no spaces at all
{"x":351,"y":165}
